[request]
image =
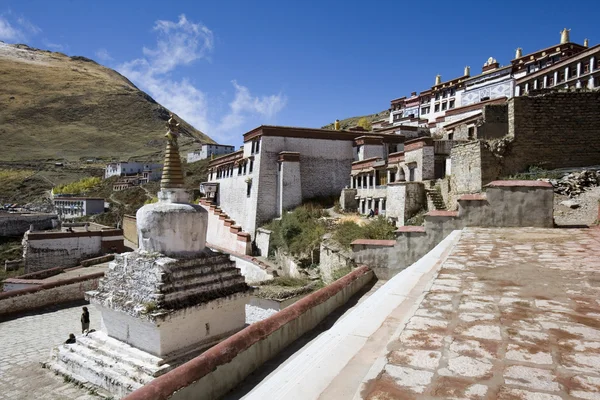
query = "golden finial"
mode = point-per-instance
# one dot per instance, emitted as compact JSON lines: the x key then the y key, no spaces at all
{"x":172,"y":176}
{"x":438,"y":79}
{"x":519,"y":53}
{"x":564,"y":36}
{"x":467,"y":71}
{"x":586,"y":43}
{"x":172,"y":129}
{"x":336,"y":125}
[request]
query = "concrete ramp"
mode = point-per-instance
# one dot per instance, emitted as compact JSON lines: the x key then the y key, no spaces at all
{"x":334,"y":364}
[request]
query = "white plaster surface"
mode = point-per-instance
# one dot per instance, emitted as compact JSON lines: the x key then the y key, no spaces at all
{"x":173,"y":229}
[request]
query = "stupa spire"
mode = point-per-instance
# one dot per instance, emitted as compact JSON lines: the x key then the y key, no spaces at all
{"x":172,"y":176}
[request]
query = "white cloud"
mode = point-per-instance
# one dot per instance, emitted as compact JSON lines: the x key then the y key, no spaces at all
{"x":8,"y":32}
{"x":103,"y":55}
{"x":16,"y":31}
{"x":179,"y":44}
{"x":28,"y":26}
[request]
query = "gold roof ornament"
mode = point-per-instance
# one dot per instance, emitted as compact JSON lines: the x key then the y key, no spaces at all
{"x":438,"y":79}
{"x":172,"y":176}
{"x":564,"y":36}
{"x":336,"y":125}
{"x":519,"y":53}
{"x":586,"y":43}
{"x":467,"y":71}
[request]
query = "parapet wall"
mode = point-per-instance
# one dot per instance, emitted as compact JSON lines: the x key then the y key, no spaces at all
{"x":130,"y":229}
{"x":224,"y":366}
{"x":504,"y":204}
{"x":43,"y":250}
{"x":223,"y":232}
{"x":51,"y":293}
{"x":18,"y":224}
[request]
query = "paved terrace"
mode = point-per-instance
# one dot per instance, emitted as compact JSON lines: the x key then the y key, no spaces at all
{"x":505,"y":314}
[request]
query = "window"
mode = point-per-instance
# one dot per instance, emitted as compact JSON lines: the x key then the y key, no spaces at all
{"x":248,"y":188}
{"x":444,"y":105}
{"x":471,"y":132}
{"x":452,"y":92}
{"x":586,"y":68}
{"x":392,"y":176}
{"x":572,"y":72}
{"x":251,"y":165}
{"x":437,"y":96}
{"x":451,"y":105}
{"x":257,"y":145}
{"x":550,"y":80}
{"x":239,"y":168}
{"x":450,"y":136}
{"x":425,"y":110}
{"x":436,"y":108}
{"x":561,"y":77}
{"x":444,"y":94}
{"x":245,"y":164}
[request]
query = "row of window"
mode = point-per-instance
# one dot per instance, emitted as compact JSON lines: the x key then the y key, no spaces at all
{"x":227,"y":171}
{"x":561,"y":76}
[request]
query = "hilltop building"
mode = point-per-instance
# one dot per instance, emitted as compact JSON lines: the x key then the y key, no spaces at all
{"x":564,"y":65}
{"x":149,"y":171}
{"x":209,"y":151}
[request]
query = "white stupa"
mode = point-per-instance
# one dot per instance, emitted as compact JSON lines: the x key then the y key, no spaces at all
{"x":162,"y":304}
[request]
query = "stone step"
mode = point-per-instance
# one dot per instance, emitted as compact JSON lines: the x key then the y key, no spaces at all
{"x":83,"y":365}
{"x":112,"y":348}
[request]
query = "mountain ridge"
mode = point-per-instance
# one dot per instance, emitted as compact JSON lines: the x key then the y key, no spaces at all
{"x":55,"y":106}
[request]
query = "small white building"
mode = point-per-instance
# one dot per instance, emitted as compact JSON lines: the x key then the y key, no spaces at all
{"x":125,"y":168}
{"x":74,"y":207}
{"x":209,"y":151}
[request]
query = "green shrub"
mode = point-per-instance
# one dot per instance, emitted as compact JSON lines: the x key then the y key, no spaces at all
{"x":299,"y":231}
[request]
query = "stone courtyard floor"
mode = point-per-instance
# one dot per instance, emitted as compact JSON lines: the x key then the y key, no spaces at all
{"x":25,"y":342}
{"x":512,"y":314}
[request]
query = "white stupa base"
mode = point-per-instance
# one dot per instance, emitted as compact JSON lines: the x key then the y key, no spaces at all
{"x":110,"y":366}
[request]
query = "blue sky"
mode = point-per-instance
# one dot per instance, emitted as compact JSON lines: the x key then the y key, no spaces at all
{"x":229,"y":66}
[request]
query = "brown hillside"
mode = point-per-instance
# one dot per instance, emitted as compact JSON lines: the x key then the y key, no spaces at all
{"x":53,"y":106}
{"x":353,"y":121}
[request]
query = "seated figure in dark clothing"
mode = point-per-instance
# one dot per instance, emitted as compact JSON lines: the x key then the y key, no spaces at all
{"x":71,"y":339}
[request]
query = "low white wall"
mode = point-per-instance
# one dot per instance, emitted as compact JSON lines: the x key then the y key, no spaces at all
{"x":18,"y":224}
{"x":42,"y":254}
{"x":252,"y":273}
{"x":262,"y":240}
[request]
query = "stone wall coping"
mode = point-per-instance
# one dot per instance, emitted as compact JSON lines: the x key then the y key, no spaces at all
{"x":473,"y":197}
{"x":49,"y":285}
{"x":540,"y":184}
{"x":61,"y":235}
{"x":164,"y":386}
{"x":408,"y":228}
{"x":442,"y":213}
{"x":374,"y":242}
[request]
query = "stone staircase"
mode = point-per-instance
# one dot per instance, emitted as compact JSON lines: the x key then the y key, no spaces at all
{"x":106,"y":363}
{"x":435,"y":201}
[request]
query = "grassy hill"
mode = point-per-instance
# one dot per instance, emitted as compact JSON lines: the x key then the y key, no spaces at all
{"x":353,"y":121}
{"x":53,"y":106}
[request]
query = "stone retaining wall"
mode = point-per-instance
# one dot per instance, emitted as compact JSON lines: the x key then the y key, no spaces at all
{"x":18,"y":224}
{"x":224,"y":366}
{"x":51,"y":293}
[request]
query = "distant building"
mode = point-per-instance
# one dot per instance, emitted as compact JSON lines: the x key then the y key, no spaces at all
{"x":152,"y":172}
{"x":74,"y":207}
{"x":208,"y":151}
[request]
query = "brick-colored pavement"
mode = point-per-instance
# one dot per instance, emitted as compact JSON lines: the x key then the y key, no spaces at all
{"x":25,"y":342}
{"x":512,"y":314}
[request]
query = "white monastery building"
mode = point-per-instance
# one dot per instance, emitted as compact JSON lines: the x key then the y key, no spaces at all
{"x":208,"y":151}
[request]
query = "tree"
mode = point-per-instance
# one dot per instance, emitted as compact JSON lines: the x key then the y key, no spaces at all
{"x":364,"y":123}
